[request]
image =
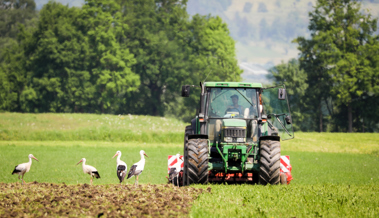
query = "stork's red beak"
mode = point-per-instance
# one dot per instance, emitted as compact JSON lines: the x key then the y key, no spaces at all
{"x":79,"y":162}
{"x":145,"y":154}
{"x":181,"y":158}
{"x":35,"y":158}
{"x":115,"y":155}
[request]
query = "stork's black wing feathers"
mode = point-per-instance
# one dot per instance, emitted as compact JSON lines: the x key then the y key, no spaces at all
{"x":121,"y":167}
{"x":16,"y":170}
{"x":97,"y":175}
{"x":132,"y":171}
{"x":172,"y":174}
{"x":121,"y":172}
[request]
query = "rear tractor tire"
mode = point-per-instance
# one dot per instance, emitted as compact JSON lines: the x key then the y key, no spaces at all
{"x":269,"y":162}
{"x":197,"y":168}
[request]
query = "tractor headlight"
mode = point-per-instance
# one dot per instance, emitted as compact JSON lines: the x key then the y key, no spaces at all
{"x":240,"y":139}
{"x":228,"y":139}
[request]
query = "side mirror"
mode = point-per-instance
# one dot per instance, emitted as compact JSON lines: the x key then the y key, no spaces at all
{"x":185,"y":91}
{"x":288,"y":119}
{"x":281,"y":94}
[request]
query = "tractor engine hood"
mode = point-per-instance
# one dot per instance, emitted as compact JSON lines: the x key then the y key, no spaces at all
{"x":234,"y":131}
{"x":233,"y":123}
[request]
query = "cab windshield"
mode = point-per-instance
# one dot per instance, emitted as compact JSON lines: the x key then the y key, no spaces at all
{"x":232,"y":103}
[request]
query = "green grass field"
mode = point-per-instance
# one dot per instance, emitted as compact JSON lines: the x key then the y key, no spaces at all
{"x":57,"y":161}
{"x":89,"y":127}
{"x":288,"y":201}
{"x":335,"y":174}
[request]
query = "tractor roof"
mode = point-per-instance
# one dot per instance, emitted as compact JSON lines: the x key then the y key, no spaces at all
{"x":233,"y":84}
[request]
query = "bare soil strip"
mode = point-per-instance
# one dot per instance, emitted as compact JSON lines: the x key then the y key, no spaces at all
{"x":47,"y":199}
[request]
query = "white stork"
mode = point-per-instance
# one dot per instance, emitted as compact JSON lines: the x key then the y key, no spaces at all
{"x":23,"y":168}
{"x":175,"y":170}
{"x":137,"y":168}
{"x":92,"y":171}
{"x":121,"y":167}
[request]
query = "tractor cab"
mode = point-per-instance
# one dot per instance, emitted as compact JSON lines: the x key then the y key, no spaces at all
{"x":225,"y":102}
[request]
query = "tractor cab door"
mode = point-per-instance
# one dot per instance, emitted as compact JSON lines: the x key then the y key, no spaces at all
{"x":276,"y":107}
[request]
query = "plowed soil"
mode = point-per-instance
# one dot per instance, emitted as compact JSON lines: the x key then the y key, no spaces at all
{"x":46,"y":199}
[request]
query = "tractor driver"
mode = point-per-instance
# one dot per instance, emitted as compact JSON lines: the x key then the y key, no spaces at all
{"x":235,"y":106}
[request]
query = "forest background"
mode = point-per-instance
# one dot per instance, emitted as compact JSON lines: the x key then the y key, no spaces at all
{"x":131,"y":57}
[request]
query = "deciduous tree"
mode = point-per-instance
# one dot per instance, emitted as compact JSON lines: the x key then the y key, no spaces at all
{"x":343,"y":51}
{"x":172,"y":50}
{"x":75,"y":61}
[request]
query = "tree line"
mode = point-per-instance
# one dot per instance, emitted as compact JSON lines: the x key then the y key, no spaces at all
{"x":132,"y":56}
{"x":109,"y":56}
{"x":334,"y":85}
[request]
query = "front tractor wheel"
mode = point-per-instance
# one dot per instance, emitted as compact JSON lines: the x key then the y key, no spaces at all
{"x":269,"y":162}
{"x":197,"y":161}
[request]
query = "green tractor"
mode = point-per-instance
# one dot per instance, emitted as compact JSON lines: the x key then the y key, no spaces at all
{"x":236,"y":134}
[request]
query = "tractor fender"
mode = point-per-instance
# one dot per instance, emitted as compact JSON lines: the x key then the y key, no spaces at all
{"x":197,"y":136}
{"x":193,"y":125}
{"x":270,"y":137}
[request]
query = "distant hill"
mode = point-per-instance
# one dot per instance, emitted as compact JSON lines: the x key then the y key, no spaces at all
{"x":263,"y":29}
